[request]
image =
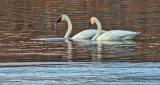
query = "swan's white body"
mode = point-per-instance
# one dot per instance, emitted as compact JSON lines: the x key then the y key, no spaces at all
{"x":86,"y":34}
{"x":112,"y":34}
{"x":117,"y":35}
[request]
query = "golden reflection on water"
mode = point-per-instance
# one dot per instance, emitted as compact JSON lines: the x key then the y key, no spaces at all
{"x":23,"y":20}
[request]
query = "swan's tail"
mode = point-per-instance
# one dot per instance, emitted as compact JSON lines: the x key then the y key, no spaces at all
{"x":130,"y":36}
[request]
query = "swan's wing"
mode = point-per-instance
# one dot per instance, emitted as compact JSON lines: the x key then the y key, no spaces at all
{"x":123,"y":34}
{"x":86,"y":34}
{"x":117,"y":35}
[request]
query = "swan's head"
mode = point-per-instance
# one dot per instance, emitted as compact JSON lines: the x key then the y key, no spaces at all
{"x":92,"y":21}
{"x":62,"y":18}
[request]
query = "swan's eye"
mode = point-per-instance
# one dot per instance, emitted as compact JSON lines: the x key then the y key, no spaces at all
{"x":59,"y":19}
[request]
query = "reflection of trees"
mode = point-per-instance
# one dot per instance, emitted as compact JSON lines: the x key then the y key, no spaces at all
{"x":34,"y":14}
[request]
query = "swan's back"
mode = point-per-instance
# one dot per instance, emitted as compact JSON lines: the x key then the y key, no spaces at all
{"x":117,"y":35}
{"x":86,"y":34}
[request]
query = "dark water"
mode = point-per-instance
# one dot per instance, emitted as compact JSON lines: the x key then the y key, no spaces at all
{"x":68,"y":62}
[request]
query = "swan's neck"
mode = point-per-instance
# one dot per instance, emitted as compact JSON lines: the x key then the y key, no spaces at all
{"x":69,"y":28}
{"x":98,"y":31}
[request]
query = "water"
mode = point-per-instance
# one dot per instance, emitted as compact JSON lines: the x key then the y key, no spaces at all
{"x":34,"y":52}
{"x":71,"y":73}
{"x":55,"y":33}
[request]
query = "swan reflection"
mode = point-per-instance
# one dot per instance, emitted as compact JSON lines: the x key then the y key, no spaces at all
{"x":106,"y":49}
{"x":96,"y":50}
{"x":69,"y":48}
{"x":91,"y":42}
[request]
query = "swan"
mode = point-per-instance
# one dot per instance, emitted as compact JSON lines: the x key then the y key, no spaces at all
{"x":86,"y":34}
{"x":112,"y":34}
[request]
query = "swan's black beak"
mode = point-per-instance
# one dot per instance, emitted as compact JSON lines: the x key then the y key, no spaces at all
{"x":89,"y":24}
{"x":59,"y":19}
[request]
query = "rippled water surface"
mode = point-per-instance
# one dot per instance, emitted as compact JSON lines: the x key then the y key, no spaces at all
{"x":33,"y":52}
{"x":71,"y":73}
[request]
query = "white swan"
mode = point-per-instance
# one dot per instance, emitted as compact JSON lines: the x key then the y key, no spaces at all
{"x":112,"y":34}
{"x":86,"y":34}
